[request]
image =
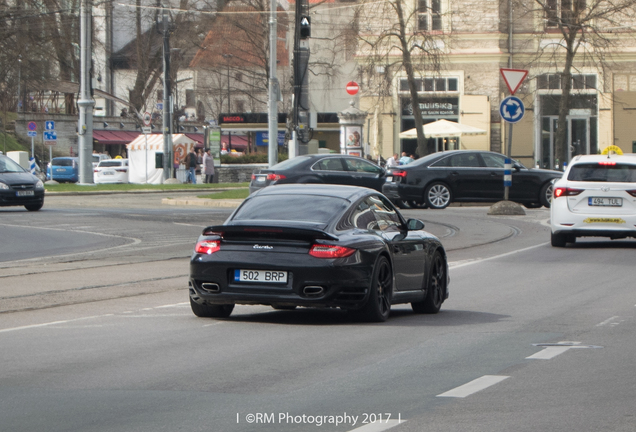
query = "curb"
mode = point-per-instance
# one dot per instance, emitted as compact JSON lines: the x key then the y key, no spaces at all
{"x":202,"y":202}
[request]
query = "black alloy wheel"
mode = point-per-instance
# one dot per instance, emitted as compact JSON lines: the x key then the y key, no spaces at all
{"x":211,"y":311}
{"x":436,"y":289}
{"x":378,"y":306}
{"x":34,"y":207}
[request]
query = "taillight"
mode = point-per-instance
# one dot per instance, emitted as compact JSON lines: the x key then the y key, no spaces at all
{"x":330,"y":251}
{"x":120,"y":169}
{"x":399,"y":173}
{"x":631,"y":192}
{"x":95,"y":170}
{"x":207,"y":246}
{"x":607,"y":163}
{"x":253,"y":177}
{"x":275,"y":177}
{"x":564,"y":191}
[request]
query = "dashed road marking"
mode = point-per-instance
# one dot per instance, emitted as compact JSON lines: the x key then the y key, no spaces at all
{"x":474,"y":386}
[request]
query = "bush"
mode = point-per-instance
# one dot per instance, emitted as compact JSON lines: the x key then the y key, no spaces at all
{"x":250,"y":158}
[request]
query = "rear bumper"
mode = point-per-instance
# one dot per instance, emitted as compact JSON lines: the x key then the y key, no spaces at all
{"x":564,"y":221}
{"x":311,"y":282}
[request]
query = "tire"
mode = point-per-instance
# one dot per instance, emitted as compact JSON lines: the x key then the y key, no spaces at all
{"x":557,"y":240}
{"x":416,"y":205}
{"x":378,"y":305}
{"x":34,"y":207}
{"x":545,"y":196}
{"x":436,"y":287}
{"x":437,"y":196}
{"x":211,"y":311}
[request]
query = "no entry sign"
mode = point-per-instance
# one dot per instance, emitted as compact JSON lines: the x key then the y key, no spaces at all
{"x":352,"y":87}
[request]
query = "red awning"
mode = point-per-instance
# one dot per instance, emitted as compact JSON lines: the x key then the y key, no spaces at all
{"x":114,"y":137}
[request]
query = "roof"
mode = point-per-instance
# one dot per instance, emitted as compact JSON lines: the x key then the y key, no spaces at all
{"x":114,"y":137}
{"x":234,"y":41}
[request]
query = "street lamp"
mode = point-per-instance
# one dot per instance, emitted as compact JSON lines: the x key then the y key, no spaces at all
{"x":19,"y":79}
{"x":227,"y":58}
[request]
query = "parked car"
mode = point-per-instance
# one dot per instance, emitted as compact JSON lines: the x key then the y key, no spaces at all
{"x":318,"y":246}
{"x":323,"y":169}
{"x":63,"y":169}
{"x":111,"y":171}
{"x":596,"y":197}
{"x":439,"y":179}
{"x":98,"y":157}
{"x":19,"y":187}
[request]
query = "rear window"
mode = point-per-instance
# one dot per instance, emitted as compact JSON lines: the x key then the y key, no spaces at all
{"x":289,"y":163}
{"x":110,"y":163}
{"x":603,"y":172}
{"x":301,"y":208}
{"x":62,"y":162}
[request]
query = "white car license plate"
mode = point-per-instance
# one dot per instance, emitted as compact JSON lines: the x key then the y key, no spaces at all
{"x":269,"y":276}
{"x":389,"y":178}
{"x":108,"y":172}
{"x":260,"y":179}
{"x":24,"y":193}
{"x":605,"y":202}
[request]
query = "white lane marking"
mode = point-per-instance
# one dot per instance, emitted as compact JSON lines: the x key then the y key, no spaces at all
{"x":548,"y":353}
{"x":474,"y":386}
{"x":52,"y":323}
{"x":378,"y":426}
{"x":185,"y":224}
{"x":459,"y":264}
{"x":607,"y":321}
{"x":83,"y":318}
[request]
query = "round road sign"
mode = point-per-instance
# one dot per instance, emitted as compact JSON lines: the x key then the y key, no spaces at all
{"x":511,"y":109}
{"x":147,"y":118}
{"x":352,"y":87}
{"x":33,"y":126}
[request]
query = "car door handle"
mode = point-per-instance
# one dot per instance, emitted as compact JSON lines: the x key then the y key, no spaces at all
{"x":494,"y":174}
{"x":454,"y":173}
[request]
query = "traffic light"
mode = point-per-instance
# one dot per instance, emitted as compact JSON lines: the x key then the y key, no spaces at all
{"x":305,"y":27}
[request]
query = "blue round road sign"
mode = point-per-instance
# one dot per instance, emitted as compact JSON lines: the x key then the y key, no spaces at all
{"x":512,"y":109}
{"x":33,"y":126}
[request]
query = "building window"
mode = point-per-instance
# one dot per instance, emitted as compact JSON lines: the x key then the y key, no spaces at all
{"x":564,"y":11}
{"x":190,"y":98}
{"x":429,"y":15}
{"x":430,"y":85}
{"x":553,"y":82}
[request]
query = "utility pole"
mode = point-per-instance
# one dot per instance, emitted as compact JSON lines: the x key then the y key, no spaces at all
{"x":86,"y":102}
{"x":301,"y":78}
{"x":168,"y":157}
{"x":274,"y":89}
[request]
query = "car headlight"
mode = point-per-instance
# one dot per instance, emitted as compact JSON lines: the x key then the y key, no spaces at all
{"x":4,"y":186}
{"x":39,"y":185}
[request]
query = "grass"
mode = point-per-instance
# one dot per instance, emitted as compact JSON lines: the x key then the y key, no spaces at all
{"x":73,"y":187}
{"x":229,"y":194}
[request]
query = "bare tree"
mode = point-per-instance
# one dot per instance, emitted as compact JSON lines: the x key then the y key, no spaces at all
{"x":584,"y":34}
{"x":395,"y":38}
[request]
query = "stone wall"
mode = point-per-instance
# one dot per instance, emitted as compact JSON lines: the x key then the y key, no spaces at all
{"x":236,"y":173}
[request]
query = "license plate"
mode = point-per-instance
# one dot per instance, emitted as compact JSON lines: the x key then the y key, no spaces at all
{"x":24,"y":193}
{"x":605,"y":202}
{"x":268,"y":276}
{"x":260,"y":179}
{"x":389,"y":178}
{"x":108,"y":173}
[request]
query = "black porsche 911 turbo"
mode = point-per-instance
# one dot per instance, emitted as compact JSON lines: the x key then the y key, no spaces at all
{"x":318,"y":246}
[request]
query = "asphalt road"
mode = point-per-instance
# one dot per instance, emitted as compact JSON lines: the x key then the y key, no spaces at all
{"x":96,"y":333}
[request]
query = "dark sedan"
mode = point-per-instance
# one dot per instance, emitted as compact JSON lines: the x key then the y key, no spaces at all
{"x":439,"y":179}
{"x":321,"y":246}
{"x":19,"y":187}
{"x":322,"y":169}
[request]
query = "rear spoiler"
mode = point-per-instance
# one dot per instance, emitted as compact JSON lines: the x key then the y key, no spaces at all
{"x":246,"y":230}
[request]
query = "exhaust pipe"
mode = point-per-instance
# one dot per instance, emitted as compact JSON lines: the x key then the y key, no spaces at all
{"x":210,"y":287}
{"x":313,"y":290}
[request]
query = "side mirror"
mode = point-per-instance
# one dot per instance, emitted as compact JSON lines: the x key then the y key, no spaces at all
{"x":414,"y":225}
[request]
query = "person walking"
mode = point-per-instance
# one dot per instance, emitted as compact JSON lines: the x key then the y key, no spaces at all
{"x":191,"y":163}
{"x":208,"y":166}
{"x":392,"y":161}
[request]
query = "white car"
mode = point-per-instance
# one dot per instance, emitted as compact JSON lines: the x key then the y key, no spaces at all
{"x":596,"y":197}
{"x":111,"y":171}
{"x":98,"y":157}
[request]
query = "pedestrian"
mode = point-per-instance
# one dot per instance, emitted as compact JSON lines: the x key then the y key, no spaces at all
{"x":200,"y":163}
{"x":392,"y":161}
{"x":191,"y":164}
{"x":208,"y":166}
{"x":405,"y":159}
